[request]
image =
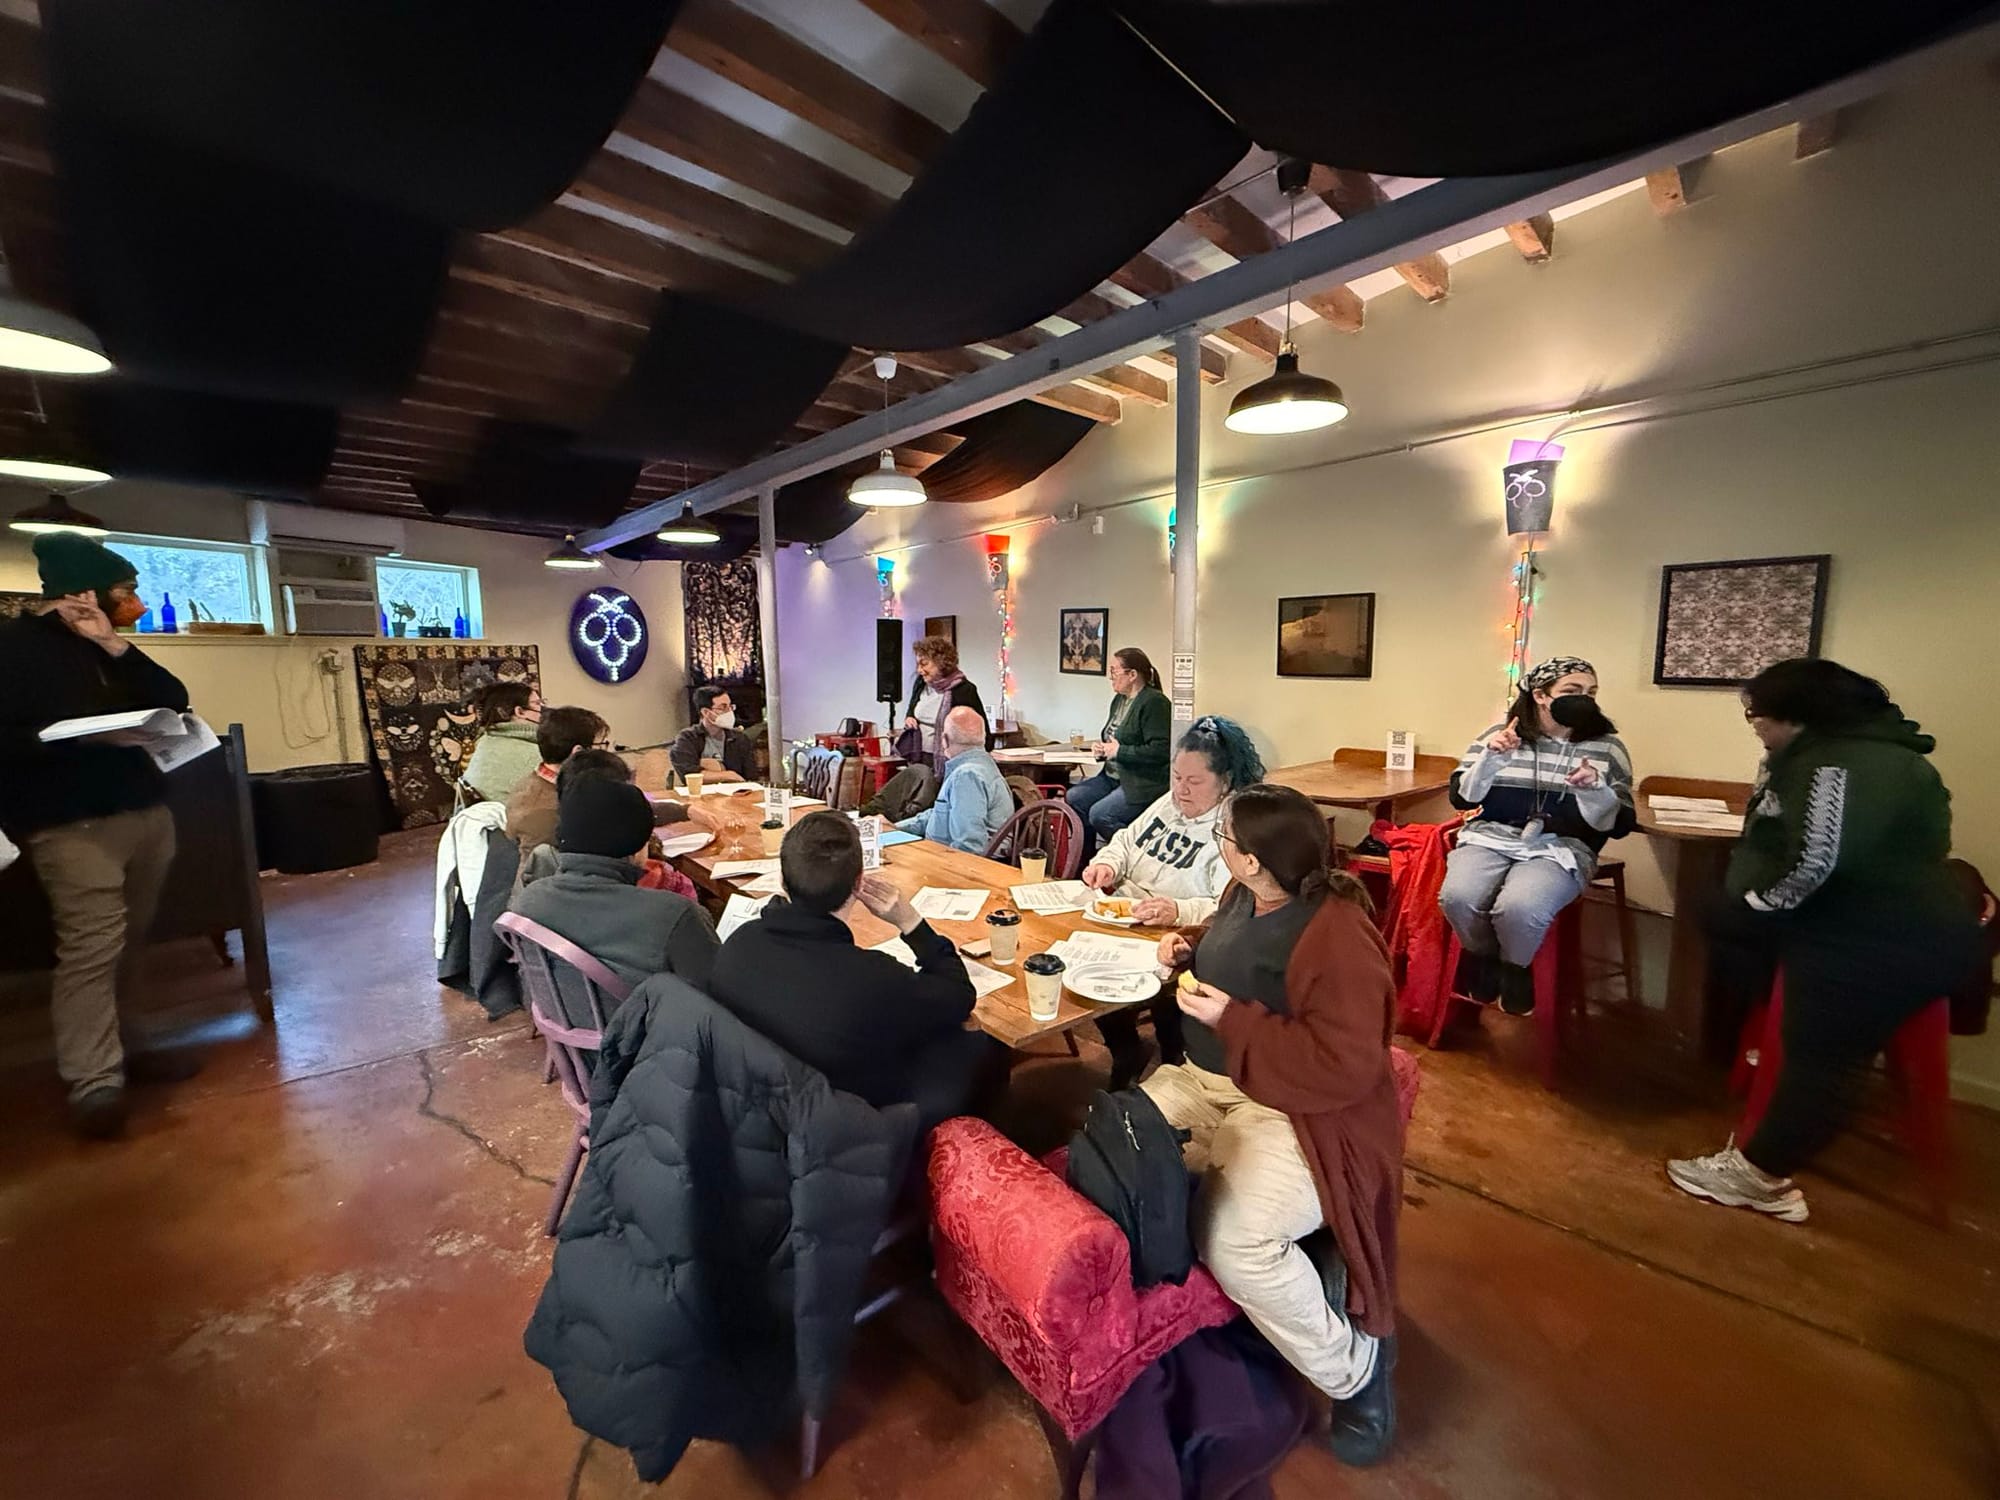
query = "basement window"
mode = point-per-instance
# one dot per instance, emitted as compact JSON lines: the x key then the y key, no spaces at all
{"x":415,"y":594}
{"x":205,"y":580}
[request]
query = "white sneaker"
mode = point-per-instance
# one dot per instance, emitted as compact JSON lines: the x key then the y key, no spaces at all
{"x":1729,"y":1178}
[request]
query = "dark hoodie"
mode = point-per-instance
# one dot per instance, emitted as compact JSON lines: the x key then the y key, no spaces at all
{"x":1847,"y":823}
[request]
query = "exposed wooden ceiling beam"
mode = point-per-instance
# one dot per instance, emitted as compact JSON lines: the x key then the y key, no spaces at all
{"x":1118,"y":380}
{"x":1666,"y":191}
{"x":1085,"y":403}
{"x":953,"y":362}
{"x":1535,"y":238}
{"x":1817,"y":135}
{"x":972,"y":36}
{"x":1151,"y":278}
{"x":527,"y":272}
{"x":777,"y":67}
{"x":1348,"y":193}
{"x":687,"y":208}
{"x":682,"y":126}
{"x":569,"y":233}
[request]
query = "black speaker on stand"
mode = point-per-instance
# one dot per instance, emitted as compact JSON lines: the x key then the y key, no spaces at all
{"x":889,"y":666}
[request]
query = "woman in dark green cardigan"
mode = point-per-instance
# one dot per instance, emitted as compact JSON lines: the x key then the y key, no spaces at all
{"x":1134,"y":750}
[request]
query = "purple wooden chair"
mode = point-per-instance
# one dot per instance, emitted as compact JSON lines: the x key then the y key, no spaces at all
{"x":547,"y":959}
{"x":1050,"y":825}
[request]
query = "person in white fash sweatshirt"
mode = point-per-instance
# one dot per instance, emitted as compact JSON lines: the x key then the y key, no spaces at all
{"x":1168,"y":861}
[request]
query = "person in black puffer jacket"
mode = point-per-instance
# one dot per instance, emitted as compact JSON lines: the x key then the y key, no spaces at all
{"x":707,"y":1273}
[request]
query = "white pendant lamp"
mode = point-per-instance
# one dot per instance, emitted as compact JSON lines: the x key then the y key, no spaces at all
{"x":884,"y":487}
{"x":57,"y":514}
{"x":51,"y":471}
{"x":690,"y":530}
{"x":571,"y":556}
{"x":38,"y":338}
{"x":1288,"y":399}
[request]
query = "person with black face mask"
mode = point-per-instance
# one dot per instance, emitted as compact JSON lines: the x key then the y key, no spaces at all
{"x":1552,"y":784}
{"x":92,"y":816}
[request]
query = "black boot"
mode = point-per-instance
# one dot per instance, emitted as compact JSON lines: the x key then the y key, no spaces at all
{"x":99,"y":1115}
{"x":1478,"y":976}
{"x":1364,"y":1425}
{"x":1517,"y":990}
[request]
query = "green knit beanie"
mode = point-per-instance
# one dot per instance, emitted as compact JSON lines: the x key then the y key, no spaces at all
{"x":75,"y":564}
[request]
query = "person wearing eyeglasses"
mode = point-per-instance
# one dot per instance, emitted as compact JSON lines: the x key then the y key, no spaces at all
{"x":506,"y":754}
{"x":1839,"y":883}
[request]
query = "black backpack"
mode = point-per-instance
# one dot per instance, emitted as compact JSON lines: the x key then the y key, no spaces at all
{"x":1127,"y":1160}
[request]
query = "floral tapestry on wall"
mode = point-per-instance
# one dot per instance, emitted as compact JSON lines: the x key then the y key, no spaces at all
{"x":1721,"y":622}
{"x":415,"y":697}
{"x":719,"y":601}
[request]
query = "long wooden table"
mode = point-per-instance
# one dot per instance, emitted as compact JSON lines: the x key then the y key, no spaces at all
{"x":1360,"y":778}
{"x":1002,"y":1014}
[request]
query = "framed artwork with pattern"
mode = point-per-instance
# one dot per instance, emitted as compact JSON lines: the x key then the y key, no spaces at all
{"x":1721,"y":622}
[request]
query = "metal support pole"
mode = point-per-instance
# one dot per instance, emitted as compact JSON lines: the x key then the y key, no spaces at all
{"x":767,"y":621}
{"x":1187,"y":520}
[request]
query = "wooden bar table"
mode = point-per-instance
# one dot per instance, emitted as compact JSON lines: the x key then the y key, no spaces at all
{"x":1361,"y":778}
{"x":1701,"y":855}
{"x":1003,"y":1013}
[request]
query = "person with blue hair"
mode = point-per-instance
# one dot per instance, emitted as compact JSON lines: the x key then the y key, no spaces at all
{"x":1168,"y":863}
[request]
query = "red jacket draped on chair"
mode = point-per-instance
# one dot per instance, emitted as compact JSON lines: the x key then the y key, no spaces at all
{"x":1327,"y":1066}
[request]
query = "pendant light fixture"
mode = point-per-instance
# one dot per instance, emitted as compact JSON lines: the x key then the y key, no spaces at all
{"x":571,"y":556}
{"x":689,"y":529}
{"x":1288,"y":399}
{"x":883,"y":486}
{"x":57,"y":514}
{"x":34,"y":337}
{"x":47,"y":470}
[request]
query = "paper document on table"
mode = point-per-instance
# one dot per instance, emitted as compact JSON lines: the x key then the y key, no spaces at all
{"x":171,"y":739}
{"x":685,"y":843}
{"x":763,"y":885}
{"x":1081,"y":948}
{"x":1665,"y":804}
{"x":936,"y":903}
{"x":891,"y":837}
{"x":1051,"y":896}
{"x":732,"y":789}
{"x":984,"y":980}
{"x":1069,"y":757}
{"x":740,"y":909}
{"x":731,"y":869}
{"x":1695,"y":812}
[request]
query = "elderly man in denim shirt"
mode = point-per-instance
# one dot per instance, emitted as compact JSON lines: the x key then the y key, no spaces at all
{"x":973,"y":803}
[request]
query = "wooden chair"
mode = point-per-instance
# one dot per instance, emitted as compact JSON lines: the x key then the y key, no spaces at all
{"x":1610,"y":876}
{"x":827,"y":775}
{"x":1050,"y":825}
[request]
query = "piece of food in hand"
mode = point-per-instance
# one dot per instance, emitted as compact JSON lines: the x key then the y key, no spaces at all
{"x":1189,"y":984}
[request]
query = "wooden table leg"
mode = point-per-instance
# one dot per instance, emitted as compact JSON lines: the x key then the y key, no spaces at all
{"x":1698,"y":871}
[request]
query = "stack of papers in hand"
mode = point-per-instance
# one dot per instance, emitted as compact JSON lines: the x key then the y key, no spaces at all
{"x":1051,"y":896}
{"x":984,"y":980}
{"x":171,"y":739}
{"x":941,"y":904}
{"x":1695,"y":812}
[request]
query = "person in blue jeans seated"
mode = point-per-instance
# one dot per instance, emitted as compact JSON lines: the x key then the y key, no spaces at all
{"x":1137,"y":731}
{"x":1552,"y":784}
{"x":973,"y":802}
{"x":875,"y":1027}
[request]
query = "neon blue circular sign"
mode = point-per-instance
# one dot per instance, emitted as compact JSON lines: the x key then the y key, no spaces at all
{"x":608,"y":635}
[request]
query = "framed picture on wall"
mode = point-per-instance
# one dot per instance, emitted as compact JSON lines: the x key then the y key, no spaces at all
{"x":944,"y":625}
{"x":1721,"y":622}
{"x":1084,"y":632}
{"x":1326,"y":635}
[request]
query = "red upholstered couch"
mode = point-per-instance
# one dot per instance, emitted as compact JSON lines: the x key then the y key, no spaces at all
{"x":1045,"y":1278}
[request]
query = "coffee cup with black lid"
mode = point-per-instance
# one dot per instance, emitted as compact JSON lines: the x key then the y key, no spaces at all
{"x":1045,"y":983}
{"x":1003,"y":930}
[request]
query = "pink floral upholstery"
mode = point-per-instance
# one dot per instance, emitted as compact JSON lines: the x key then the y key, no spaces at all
{"x":1045,"y":1279}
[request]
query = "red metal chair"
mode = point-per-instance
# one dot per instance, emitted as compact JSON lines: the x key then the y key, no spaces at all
{"x":543,"y":956}
{"x":1919,"y":1058}
{"x":1558,"y":971}
{"x":1044,"y":1278}
{"x":1050,"y":825}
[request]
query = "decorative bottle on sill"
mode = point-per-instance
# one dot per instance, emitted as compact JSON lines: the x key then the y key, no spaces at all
{"x":169,"y":621}
{"x":383,"y":616}
{"x":145,"y":625}
{"x":459,"y":629}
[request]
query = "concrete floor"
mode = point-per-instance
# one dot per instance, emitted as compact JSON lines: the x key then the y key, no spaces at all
{"x":306,"y":1273}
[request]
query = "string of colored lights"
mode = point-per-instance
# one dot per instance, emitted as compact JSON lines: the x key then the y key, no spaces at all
{"x":999,"y":579}
{"x":1527,"y":591}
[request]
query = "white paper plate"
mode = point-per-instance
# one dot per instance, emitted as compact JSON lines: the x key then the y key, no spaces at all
{"x":1111,"y":984}
{"x":685,"y":843}
{"x":1091,"y":912}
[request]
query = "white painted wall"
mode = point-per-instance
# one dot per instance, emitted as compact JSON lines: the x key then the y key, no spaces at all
{"x":1775,"y":266}
{"x":271,"y":686}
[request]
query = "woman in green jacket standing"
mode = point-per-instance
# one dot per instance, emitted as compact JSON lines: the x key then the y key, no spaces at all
{"x":1840,"y":880}
{"x":1133,"y":748}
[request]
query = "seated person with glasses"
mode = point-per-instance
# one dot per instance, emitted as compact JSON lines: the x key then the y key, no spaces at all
{"x":713,"y":746}
{"x":873,"y":1026}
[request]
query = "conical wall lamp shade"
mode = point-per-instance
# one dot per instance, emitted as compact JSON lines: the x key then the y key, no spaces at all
{"x":57,"y":514}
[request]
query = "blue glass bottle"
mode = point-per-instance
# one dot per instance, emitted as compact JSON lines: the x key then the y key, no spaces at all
{"x":169,"y":622}
{"x":145,"y":625}
{"x":459,"y":629}
{"x":383,"y":616}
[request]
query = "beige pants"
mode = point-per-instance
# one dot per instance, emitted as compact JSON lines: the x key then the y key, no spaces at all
{"x":1257,"y":1200}
{"x":103,"y":877}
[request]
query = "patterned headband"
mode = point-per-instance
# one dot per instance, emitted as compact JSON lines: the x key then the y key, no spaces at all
{"x":1554,"y":670}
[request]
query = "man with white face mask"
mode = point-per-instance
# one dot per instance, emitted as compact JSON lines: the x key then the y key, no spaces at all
{"x":713,"y":745}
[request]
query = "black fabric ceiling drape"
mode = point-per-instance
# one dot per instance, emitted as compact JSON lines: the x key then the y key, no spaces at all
{"x":1513,"y":88}
{"x":140,"y":431}
{"x":713,"y":385}
{"x":532,"y":476}
{"x":739,"y":536}
{"x":1083,"y":152}
{"x":1004,"y":450}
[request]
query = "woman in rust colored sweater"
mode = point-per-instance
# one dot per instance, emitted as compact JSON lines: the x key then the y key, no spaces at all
{"x":1288,"y":1092}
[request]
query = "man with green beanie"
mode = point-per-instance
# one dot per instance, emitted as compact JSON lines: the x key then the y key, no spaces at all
{"x":91,"y":816}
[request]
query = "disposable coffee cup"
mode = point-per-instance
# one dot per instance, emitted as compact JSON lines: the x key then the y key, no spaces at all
{"x":1045,"y":983}
{"x":694,"y":783}
{"x":774,"y":835}
{"x":1003,"y":930}
{"x":1034,"y":866}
